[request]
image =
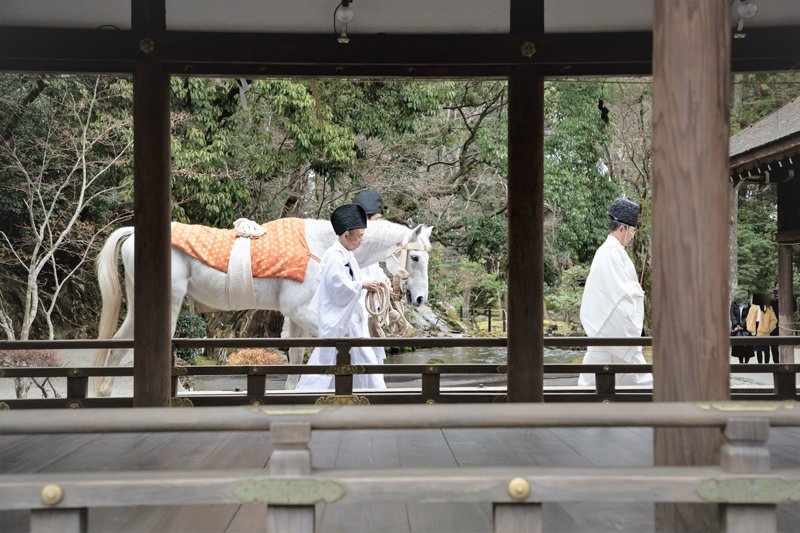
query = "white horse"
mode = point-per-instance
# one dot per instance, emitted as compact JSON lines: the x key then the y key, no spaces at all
{"x":398,"y":245}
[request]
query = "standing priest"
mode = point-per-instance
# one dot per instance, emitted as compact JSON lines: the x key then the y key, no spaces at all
{"x":338,"y":302}
{"x":613,"y":299}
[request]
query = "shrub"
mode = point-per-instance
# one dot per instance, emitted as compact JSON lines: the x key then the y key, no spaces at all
{"x":256,"y":356}
{"x":565,"y":299}
{"x":190,"y":327}
{"x":32,"y":358}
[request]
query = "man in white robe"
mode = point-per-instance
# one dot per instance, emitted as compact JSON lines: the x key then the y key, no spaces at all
{"x":338,"y":302}
{"x":613,"y":299}
{"x":372,"y":203}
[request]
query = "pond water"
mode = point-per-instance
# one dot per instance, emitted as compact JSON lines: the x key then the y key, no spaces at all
{"x":475,"y":355}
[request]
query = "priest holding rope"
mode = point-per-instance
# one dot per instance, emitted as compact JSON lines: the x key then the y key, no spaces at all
{"x":613,"y":299}
{"x":339,"y":304}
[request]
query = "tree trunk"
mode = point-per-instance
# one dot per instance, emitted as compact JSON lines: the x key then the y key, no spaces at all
{"x":265,"y":324}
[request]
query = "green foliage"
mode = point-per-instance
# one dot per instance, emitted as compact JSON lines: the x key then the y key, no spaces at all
{"x":459,"y":281}
{"x":758,"y":94}
{"x":565,"y":298}
{"x":757,"y":253}
{"x":577,"y":187}
{"x":440,"y":285}
{"x":383,"y":109}
{"x":190,"y":326}
{"x":484,"y":240}
{"x":204,"y":136}
{"x":436,"y":150}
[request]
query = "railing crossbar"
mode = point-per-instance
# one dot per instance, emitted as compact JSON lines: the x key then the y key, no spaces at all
{"x":661,"y":414}
{"x":548,"y":484}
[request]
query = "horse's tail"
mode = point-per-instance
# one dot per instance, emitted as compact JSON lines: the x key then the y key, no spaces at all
{"x":110,"y":290}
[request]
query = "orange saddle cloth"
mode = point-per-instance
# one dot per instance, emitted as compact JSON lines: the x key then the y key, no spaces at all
{"x":282,"y":252}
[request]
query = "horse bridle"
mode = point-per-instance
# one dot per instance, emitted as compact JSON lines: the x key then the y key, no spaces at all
{"x":400,"y":254}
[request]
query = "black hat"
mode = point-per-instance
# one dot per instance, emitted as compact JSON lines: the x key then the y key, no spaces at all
{"x":347,"y":217}
{"x":371,"y":201}
{"x":625,"y":211}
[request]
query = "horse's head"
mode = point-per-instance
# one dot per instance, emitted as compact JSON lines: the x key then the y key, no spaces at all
{"x":412,"y":256}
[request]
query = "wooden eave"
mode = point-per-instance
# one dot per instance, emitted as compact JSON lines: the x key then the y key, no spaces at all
{"x":755,"y":161}
{"x":384,"y":55}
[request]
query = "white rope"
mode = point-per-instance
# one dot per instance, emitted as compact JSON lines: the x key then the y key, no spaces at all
{"x":783,"y":329}
{"x":386,"y":312}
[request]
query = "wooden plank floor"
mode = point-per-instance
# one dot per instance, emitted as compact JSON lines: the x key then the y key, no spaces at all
{"x":361,"y":449}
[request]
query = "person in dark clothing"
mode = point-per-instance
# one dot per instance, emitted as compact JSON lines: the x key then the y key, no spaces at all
{"x":736,"y":316}
{"x":739,"y":329}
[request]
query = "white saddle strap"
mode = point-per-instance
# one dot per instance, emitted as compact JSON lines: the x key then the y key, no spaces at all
{"x":239,"y":287}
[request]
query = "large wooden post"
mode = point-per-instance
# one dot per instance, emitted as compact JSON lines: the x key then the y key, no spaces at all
{"x":785,"y":300}
{"x":152,"y":363}
{"x":525,"y":238}
{"x":788,"y":235}
{"x":691,"y":80}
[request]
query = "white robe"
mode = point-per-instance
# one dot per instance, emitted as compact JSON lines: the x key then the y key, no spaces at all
{"x":613,"y":306}
{"x":341,"y":313}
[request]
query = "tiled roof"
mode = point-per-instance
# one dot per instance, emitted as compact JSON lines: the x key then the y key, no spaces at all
{"x":779,"y":125}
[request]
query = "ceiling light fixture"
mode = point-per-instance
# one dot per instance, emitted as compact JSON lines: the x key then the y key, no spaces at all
{"x":343,"y":14}
{"x":745,"y":9}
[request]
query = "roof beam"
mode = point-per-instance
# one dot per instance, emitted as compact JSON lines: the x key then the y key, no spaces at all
{"x":788,"y":146}
{"x":46,"y":49}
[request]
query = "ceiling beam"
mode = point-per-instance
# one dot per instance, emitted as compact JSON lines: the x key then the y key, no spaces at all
{"x":45,"y":49}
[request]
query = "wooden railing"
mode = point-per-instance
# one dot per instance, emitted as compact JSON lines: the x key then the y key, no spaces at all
{"x":430,"y":390}
{"x":743,"y":483}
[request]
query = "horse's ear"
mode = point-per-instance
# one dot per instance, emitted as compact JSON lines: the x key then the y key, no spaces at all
{"x":426,"y":231}
{"x":416,"y":232}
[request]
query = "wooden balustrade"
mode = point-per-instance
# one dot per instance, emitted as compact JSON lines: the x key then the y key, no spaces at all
{"x":743,"y":483}
{"x":430,"y":390}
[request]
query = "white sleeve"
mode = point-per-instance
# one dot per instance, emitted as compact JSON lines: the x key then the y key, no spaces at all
{"x":339,"y":283}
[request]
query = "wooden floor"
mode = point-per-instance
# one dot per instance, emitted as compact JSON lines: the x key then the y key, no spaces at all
{"x":361,"y":449}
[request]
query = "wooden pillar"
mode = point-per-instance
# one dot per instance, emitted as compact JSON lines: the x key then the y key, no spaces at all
{"x":291,"y":457}
{"x":525,"y":238}
{"x":788,"y":232}
{"x":745,"y":452}
{"x":59,"y":520}
{"x":517,"y":517}
{"x":152,"y":362}
{"x":785,"y":299}
{"x":691,"y":72}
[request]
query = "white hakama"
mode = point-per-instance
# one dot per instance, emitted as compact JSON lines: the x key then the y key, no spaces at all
{"x":613,"y":306}
{"x":340,"y":314}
